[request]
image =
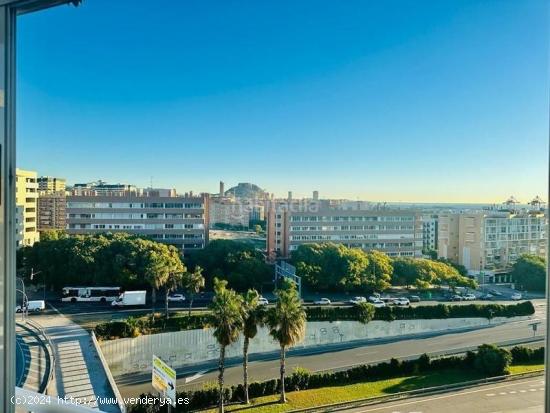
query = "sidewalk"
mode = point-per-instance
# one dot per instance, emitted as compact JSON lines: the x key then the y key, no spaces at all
{"x":78,"y":370}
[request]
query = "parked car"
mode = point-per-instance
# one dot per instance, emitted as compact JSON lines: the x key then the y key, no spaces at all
{"x":262,"y":301}
{"x":414,"y":299}
{"x":402,"y":301}
{"x":516,"y":296}
{"x":357,"y":300}
{"x":495,"y":292}
{"x":374,"y":297}
{"x":378,"y":303}
{"x":33,"y":306}
{"x":487,"y":297}
{"x":176,"y":298}
{"x":469,"y":297}
{"x":457,"y":297}
{"x":322,"y":301}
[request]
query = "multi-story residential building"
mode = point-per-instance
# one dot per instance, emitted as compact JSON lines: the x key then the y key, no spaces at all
{"x":49,"y":184}
{"x":102,"y":188}
{"x":159,"y":214}
{"x":489,"y":243}
{"x":26,"y":195}
{"x":291,"y":223}
{"x":52,"y":210}
{"x":429,"y":232}
{"x":52,"y":202}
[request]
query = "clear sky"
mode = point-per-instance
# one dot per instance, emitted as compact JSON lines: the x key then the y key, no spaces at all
{"x":427,"y":101}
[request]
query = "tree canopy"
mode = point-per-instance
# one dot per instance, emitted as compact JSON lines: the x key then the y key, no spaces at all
{"x":529,"y":273}
{"x":423,"y":273}
{"x":237,"y":262}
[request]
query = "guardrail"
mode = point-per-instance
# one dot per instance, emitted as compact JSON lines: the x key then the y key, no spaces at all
{"x":110,"y":378}
{"x":412,"y":393}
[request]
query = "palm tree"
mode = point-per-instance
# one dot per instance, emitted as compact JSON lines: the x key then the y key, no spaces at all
{"x":287,"y":323}
{"x":172,"y":283}
{"x":254,"y":317}
{"x":227,"y":319}
{"x":193,"y":282}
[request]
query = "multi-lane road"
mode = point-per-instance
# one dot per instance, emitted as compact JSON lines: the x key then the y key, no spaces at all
{"x":518,"y":396}
{"x":266,"y":366}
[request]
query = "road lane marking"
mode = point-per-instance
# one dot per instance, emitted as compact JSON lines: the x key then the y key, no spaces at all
{"x":460,"y":393}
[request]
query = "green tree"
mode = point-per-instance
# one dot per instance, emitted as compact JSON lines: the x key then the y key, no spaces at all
{"x":492,"y":360}
{"x":287,"y":323}
{"x":254,"y":317}
{"x":193,"y":282}
{"x":529,"y":273}
{"x":227,"y":319}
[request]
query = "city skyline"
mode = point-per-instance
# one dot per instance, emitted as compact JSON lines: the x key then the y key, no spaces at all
{"x":421,"y":102}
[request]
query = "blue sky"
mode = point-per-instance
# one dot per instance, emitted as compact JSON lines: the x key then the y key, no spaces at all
{"x":427,"y":101}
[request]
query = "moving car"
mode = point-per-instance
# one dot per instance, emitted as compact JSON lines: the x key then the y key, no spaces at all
{"x":401,"y":301}
{"x":322,"y":301}
{"x":378,"y":303}
{"x":456,"y":297}
{"x":357,"y":300}
{"x":262,"y":301}
{"x":487,"y":297}
{"x":469,"y":297}
{"x":34,"y":306}
{"x":414,"y":299}
{"x":516,"y":296}
{"x":178,"y":298}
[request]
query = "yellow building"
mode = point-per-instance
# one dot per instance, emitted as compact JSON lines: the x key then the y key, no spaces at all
{"x":26,"y":200}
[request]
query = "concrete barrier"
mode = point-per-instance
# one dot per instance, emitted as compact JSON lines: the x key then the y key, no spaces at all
{"x":182,"y":348}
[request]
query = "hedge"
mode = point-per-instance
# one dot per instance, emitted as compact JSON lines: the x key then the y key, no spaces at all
{"x":361,"y":313}
{"x":302,"y":379}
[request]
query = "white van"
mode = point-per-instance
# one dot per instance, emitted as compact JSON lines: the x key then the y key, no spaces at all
{"x":34,"y":306}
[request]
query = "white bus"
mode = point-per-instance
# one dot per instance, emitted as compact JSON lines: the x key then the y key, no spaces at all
{"x":89,"y":294}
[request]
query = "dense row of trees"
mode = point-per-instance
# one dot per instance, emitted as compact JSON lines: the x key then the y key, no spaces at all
{"x":529,"y":273}
{"x":328,"y":267}
{"x":108,"y":259}
{"x":239,"y":263}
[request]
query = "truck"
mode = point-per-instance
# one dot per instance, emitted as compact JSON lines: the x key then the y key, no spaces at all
{"x":130,"y":298}
{"x":34,"y":306}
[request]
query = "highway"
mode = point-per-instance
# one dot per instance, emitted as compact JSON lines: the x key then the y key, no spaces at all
{"x":518,"y":396}
{"x":266,"y":366}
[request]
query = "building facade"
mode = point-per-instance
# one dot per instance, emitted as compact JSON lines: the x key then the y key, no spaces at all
{"x":26,"y":200}
{"x":49,"y":184}
{"x":235,"y":212}
{"x":429,"y":232}
{"x":492,"y":242}
{"x":397,"y":233}
{"x":177,"y":220}
{"x":52,"y":213}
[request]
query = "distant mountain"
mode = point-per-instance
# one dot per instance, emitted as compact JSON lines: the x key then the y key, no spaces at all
{"x":245,"y":190}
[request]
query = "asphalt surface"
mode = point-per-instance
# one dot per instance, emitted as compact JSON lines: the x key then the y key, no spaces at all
{"x":518,"y":396}
{"x":266,"y":366}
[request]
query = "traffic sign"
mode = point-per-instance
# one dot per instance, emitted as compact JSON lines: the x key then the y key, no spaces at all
{"x":164,"y":379}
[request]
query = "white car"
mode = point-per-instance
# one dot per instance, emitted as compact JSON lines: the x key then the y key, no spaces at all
{"x":262,"y":301}
{"x":378,"y":303}
{"x":469,"y":297}
{"x":322,"y":301}
{"x":176,"y":298}
{"x":357,"y":300}
{"x":516,"y":296}
{"x":401,"y":301}
{"x":374,"y":297}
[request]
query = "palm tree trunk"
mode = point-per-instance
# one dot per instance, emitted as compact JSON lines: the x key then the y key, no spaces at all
{"x":245,"y":369}
{"x":190,"y":303}
{"x":166,"y":303}
{"x":283,"y":355}
{"x":221,"y":368}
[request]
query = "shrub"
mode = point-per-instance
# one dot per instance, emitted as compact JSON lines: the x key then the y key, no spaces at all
{"x":492,"y":361}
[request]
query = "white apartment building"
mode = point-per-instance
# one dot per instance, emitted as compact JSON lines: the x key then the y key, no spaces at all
{"x":398,"y":233}
{"x":429,"y":232}
{"x":26,"y":200}
{"x":492,"y":242}
{"x":236,"y":212}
